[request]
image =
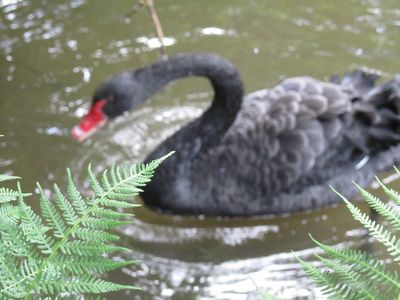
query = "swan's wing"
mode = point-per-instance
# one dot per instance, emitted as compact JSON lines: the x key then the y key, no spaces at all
{"x":282,"y":132}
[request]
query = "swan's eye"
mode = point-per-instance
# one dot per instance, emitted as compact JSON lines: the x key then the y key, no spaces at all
{"x":109,"y":99}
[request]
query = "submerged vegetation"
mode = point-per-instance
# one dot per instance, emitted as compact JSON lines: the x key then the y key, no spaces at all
{"x":63,"y":250}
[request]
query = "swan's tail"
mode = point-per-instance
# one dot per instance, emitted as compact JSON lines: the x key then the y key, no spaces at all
{"x":377,"y":107}
{"x":357,"y":83}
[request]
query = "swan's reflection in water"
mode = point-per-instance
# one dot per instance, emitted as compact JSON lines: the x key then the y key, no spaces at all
{"x":189,"y":258}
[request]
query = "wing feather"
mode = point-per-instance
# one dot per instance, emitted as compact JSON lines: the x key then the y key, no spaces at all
{"x":288,"y":127}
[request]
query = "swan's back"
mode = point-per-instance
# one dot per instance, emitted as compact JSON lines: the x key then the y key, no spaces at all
{"x":291,"y":125}
{"x":286,"y":146}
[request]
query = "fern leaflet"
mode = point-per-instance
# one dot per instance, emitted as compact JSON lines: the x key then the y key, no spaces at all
{"x":353,"y":274}
{"x":62,"y":249}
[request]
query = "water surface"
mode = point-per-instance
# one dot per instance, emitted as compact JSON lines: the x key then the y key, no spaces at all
{"x":54,"y":53}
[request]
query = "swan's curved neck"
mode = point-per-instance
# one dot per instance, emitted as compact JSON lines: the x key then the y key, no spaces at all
{"x":225,"y":80}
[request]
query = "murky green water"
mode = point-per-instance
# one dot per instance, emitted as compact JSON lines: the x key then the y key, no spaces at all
{"x":54,"y":53}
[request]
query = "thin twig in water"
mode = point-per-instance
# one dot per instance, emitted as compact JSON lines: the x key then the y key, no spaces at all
{"x":157,"y":24}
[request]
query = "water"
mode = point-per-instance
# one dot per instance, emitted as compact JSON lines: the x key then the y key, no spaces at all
{"x":54,"y":53}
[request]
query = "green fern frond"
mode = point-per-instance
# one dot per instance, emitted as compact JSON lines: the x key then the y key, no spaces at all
{"x":354,"y":274}
{"x":390,"y":214}
{"x":33,"y":229}
{"x":8,"y":212}
{"x":103,"y":223}
{"x":372,"y":268}
{"x":394,"y":195}
{"x":84,"y":248}
{"x":321,"y":278}
{"x":80,"y":265}
{"x":264,"y":295}
{"x":94,"y":183}
{"x":340,"y":282}
{"x":63,"y":205}
{"x":75,"y":196}
{"x":349,"y":282}
{"x":83,"y":284}
{"x":95,"y":236}
{"x":7,"y":194}
{"x":378,"y":231}
{"x":52,"y":215}
{"x":63,"y":250}
{"x":397,"y":170}
{"x":4,"y":177}
{"x":14,"y":241}
{"x":102,"y":212}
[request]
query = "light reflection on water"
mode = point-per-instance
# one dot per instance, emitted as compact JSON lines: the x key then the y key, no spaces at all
{"x":53,"y":55}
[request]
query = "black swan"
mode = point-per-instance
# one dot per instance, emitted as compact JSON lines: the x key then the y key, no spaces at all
{"x":272,"y":151}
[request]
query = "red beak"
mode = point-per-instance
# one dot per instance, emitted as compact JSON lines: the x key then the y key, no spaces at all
{"x":90,"y":123}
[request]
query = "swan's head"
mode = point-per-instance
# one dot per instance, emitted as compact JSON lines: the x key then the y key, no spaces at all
{"x":114,"y":97}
